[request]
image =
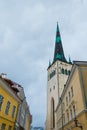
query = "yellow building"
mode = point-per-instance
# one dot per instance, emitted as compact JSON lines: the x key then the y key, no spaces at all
{"x":72,"y":108}
{"x":8,"y":106}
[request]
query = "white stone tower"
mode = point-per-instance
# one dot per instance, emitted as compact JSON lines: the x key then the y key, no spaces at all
{"x":58,"y":73}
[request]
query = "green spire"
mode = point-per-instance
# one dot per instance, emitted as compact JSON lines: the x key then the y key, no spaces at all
{"x":58,"y":53}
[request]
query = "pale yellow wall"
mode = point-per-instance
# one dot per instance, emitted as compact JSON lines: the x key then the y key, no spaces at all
{"x":76,"y":100}
{"x":83,"y":73}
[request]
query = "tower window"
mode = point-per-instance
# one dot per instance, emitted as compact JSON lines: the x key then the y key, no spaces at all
{"x":53,"y":87}
{"x":52,"y":74}
{"x":62,"y":71}
{"x":69,"y":72}
{"x":66,"y":71}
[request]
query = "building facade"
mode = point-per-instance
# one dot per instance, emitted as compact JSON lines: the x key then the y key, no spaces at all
{"x":72,"y":108}
{"x":9,"y":103}
{"x":66,"y":92}
{"x":14,"y":110}
{"x":24,"y":118}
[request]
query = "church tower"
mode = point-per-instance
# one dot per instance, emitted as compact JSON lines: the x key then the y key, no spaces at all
{"x":58,"y":72}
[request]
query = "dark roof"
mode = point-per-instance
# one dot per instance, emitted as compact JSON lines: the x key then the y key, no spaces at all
{"x":12,"y":84}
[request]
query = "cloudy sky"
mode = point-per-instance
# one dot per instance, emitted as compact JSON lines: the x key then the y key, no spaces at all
{"x":27,"y":39}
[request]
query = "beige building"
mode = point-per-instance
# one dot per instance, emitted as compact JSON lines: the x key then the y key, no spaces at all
{"x":66,"y":92}
{"x":72,"y":108}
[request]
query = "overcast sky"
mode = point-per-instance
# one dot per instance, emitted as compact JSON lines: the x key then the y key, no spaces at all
{"x":27,"y":39}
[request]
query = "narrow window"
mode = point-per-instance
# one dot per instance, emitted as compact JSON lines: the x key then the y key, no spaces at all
{"x":7,"y":108}
{"x":54,"y":72}
{"x":71,"y":113}
{"x":64,"y":119}
{"x":74,"y":110}
{"x":53,"y":87}
{"x":69,"y":96}
{"x":3,"y":126}
{"x":52,"y":113}
{"x":63,"y":106}
{"x":72,"y":91}
{"x":10,"y":128}
{"x":67,"y":101}
{"x":13,"y":111}
{"x":62,"y":71}
{"x":1,"y":101}
{"x":66,"y":71}
{"x":69,"y":72}
{"x":68,"y":117}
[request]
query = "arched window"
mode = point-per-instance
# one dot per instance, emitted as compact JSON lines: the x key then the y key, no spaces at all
{"x":66,"y":71}
{"x":69,"y":72}
{"x":52,"y":113}
{"x":62,"y":71}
